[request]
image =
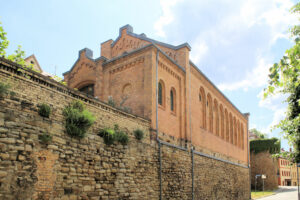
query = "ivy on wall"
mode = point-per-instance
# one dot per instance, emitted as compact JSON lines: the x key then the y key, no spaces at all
{"x":271,"y":145}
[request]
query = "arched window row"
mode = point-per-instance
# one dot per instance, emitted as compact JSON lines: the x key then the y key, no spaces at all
{"x":162,"y":96}
{"x":216,"y":119}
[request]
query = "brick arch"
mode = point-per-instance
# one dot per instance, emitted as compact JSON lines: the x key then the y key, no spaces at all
{"x":202,"y":99}
{"x":216,"y":118}
{"x":242,"y":133}
{"x":222,"y":130}
{"x":126,"y":90}
{"x":238,"y":134}
{"x":227,"y":135}
{"x":230,"y":128}
{"x":209,"y":115}
{"x":84,"y":83}
{"x":234,"y":131}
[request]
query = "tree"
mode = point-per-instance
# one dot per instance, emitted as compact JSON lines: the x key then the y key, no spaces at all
{"x":19,"y":54}
{"x":258,"y":133}
{"x":3,"y":41}
{"x":284,"y":77}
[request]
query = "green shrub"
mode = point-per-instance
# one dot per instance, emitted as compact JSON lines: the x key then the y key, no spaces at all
{"x":271,"y":145}
{"x":78,"y":119}
{"x":44,"y":110}
{"x":108,"y":135}
{"x":139,"y":134}
{"x":4,"y":88}
{"x":122,"y":137}
{"x":45,"y":138}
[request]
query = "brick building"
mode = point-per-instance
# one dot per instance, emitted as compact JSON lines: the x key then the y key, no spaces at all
{"x":287,"y":174}
{"x":284,"y":178}
{"x":190,"y":107}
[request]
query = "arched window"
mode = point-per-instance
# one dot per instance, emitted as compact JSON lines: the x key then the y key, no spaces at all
{"x":234,"y":132}
{"x":230,"y":129}
{"x":242,"y":127}
{"x":216,"y":118}
{"x":222,"y":122}
{"x":238,"y":134}
{"x":227,"y":126}
{"x":173,"y":100}
{"x":202,"y":100}
{"x":161,"y":93}
{"x":88,"y":89}
{"x":209,"y":113}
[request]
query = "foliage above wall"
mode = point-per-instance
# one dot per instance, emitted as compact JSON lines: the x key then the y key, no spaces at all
{"x":260,"y":145}
{"x":78,"y":119}
{"x":258,"y":133}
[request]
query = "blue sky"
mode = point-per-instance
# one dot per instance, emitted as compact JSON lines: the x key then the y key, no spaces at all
{"x":233,"y":42}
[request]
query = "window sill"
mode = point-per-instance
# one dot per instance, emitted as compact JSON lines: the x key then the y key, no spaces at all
{"x":161,"y":107}
{"x":173,"y":113}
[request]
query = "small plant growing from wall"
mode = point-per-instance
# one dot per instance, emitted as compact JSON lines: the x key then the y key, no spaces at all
{"x":122,"y":137}
{"x":139,"y":134}
{"x":45,"y":138}
{"x":78,"y":119}
{"x":111,"y":101}
{"x":44,"y":110}
{"x":110,"y":135}
{"x":4,"y":89}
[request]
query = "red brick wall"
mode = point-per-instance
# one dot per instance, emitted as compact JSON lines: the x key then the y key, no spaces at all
{"x":218,"y":126}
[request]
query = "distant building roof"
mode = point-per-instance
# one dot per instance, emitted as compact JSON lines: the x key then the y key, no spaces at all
{"x":252,"y":136}
{"x":31,"y":60}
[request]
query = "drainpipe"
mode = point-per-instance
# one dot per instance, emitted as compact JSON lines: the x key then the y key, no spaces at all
{"x":190,"y":124}
{"x":157,"y":139}
{"x":192,"y":151}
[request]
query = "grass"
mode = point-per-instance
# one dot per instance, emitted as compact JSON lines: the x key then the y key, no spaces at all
{"x":259,"y":194}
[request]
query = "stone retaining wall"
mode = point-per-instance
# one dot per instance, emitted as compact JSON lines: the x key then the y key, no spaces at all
{"x":69,"y":168}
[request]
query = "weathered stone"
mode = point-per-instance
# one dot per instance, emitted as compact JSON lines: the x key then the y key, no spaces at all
{"x":3,"y":174}
{"x":4,"y":156}
{"x":28,"y":148}
{"x":8,"y":140}
{"x":21,"y":157}
{"x":58,"y":140}
{"x":3,"y":130}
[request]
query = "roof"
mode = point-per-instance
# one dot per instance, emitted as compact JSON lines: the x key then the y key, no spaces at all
{"x":143,"y":36}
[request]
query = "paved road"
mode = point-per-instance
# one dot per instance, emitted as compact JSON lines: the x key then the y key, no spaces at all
{"x":284,"y":193}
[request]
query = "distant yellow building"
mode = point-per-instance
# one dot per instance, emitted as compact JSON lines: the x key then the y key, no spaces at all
{"x":294,"y":174}
{"x":287,"y":173}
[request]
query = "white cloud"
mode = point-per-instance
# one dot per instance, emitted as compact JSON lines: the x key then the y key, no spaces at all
{"x":167,"y":16}
{"x":272,"y":102}
{"x":236,"y":28}
{"x":256,"y":78}
{"x":275,"y":103}
{"x":278,"y":115}
{"x":200,"y":49}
